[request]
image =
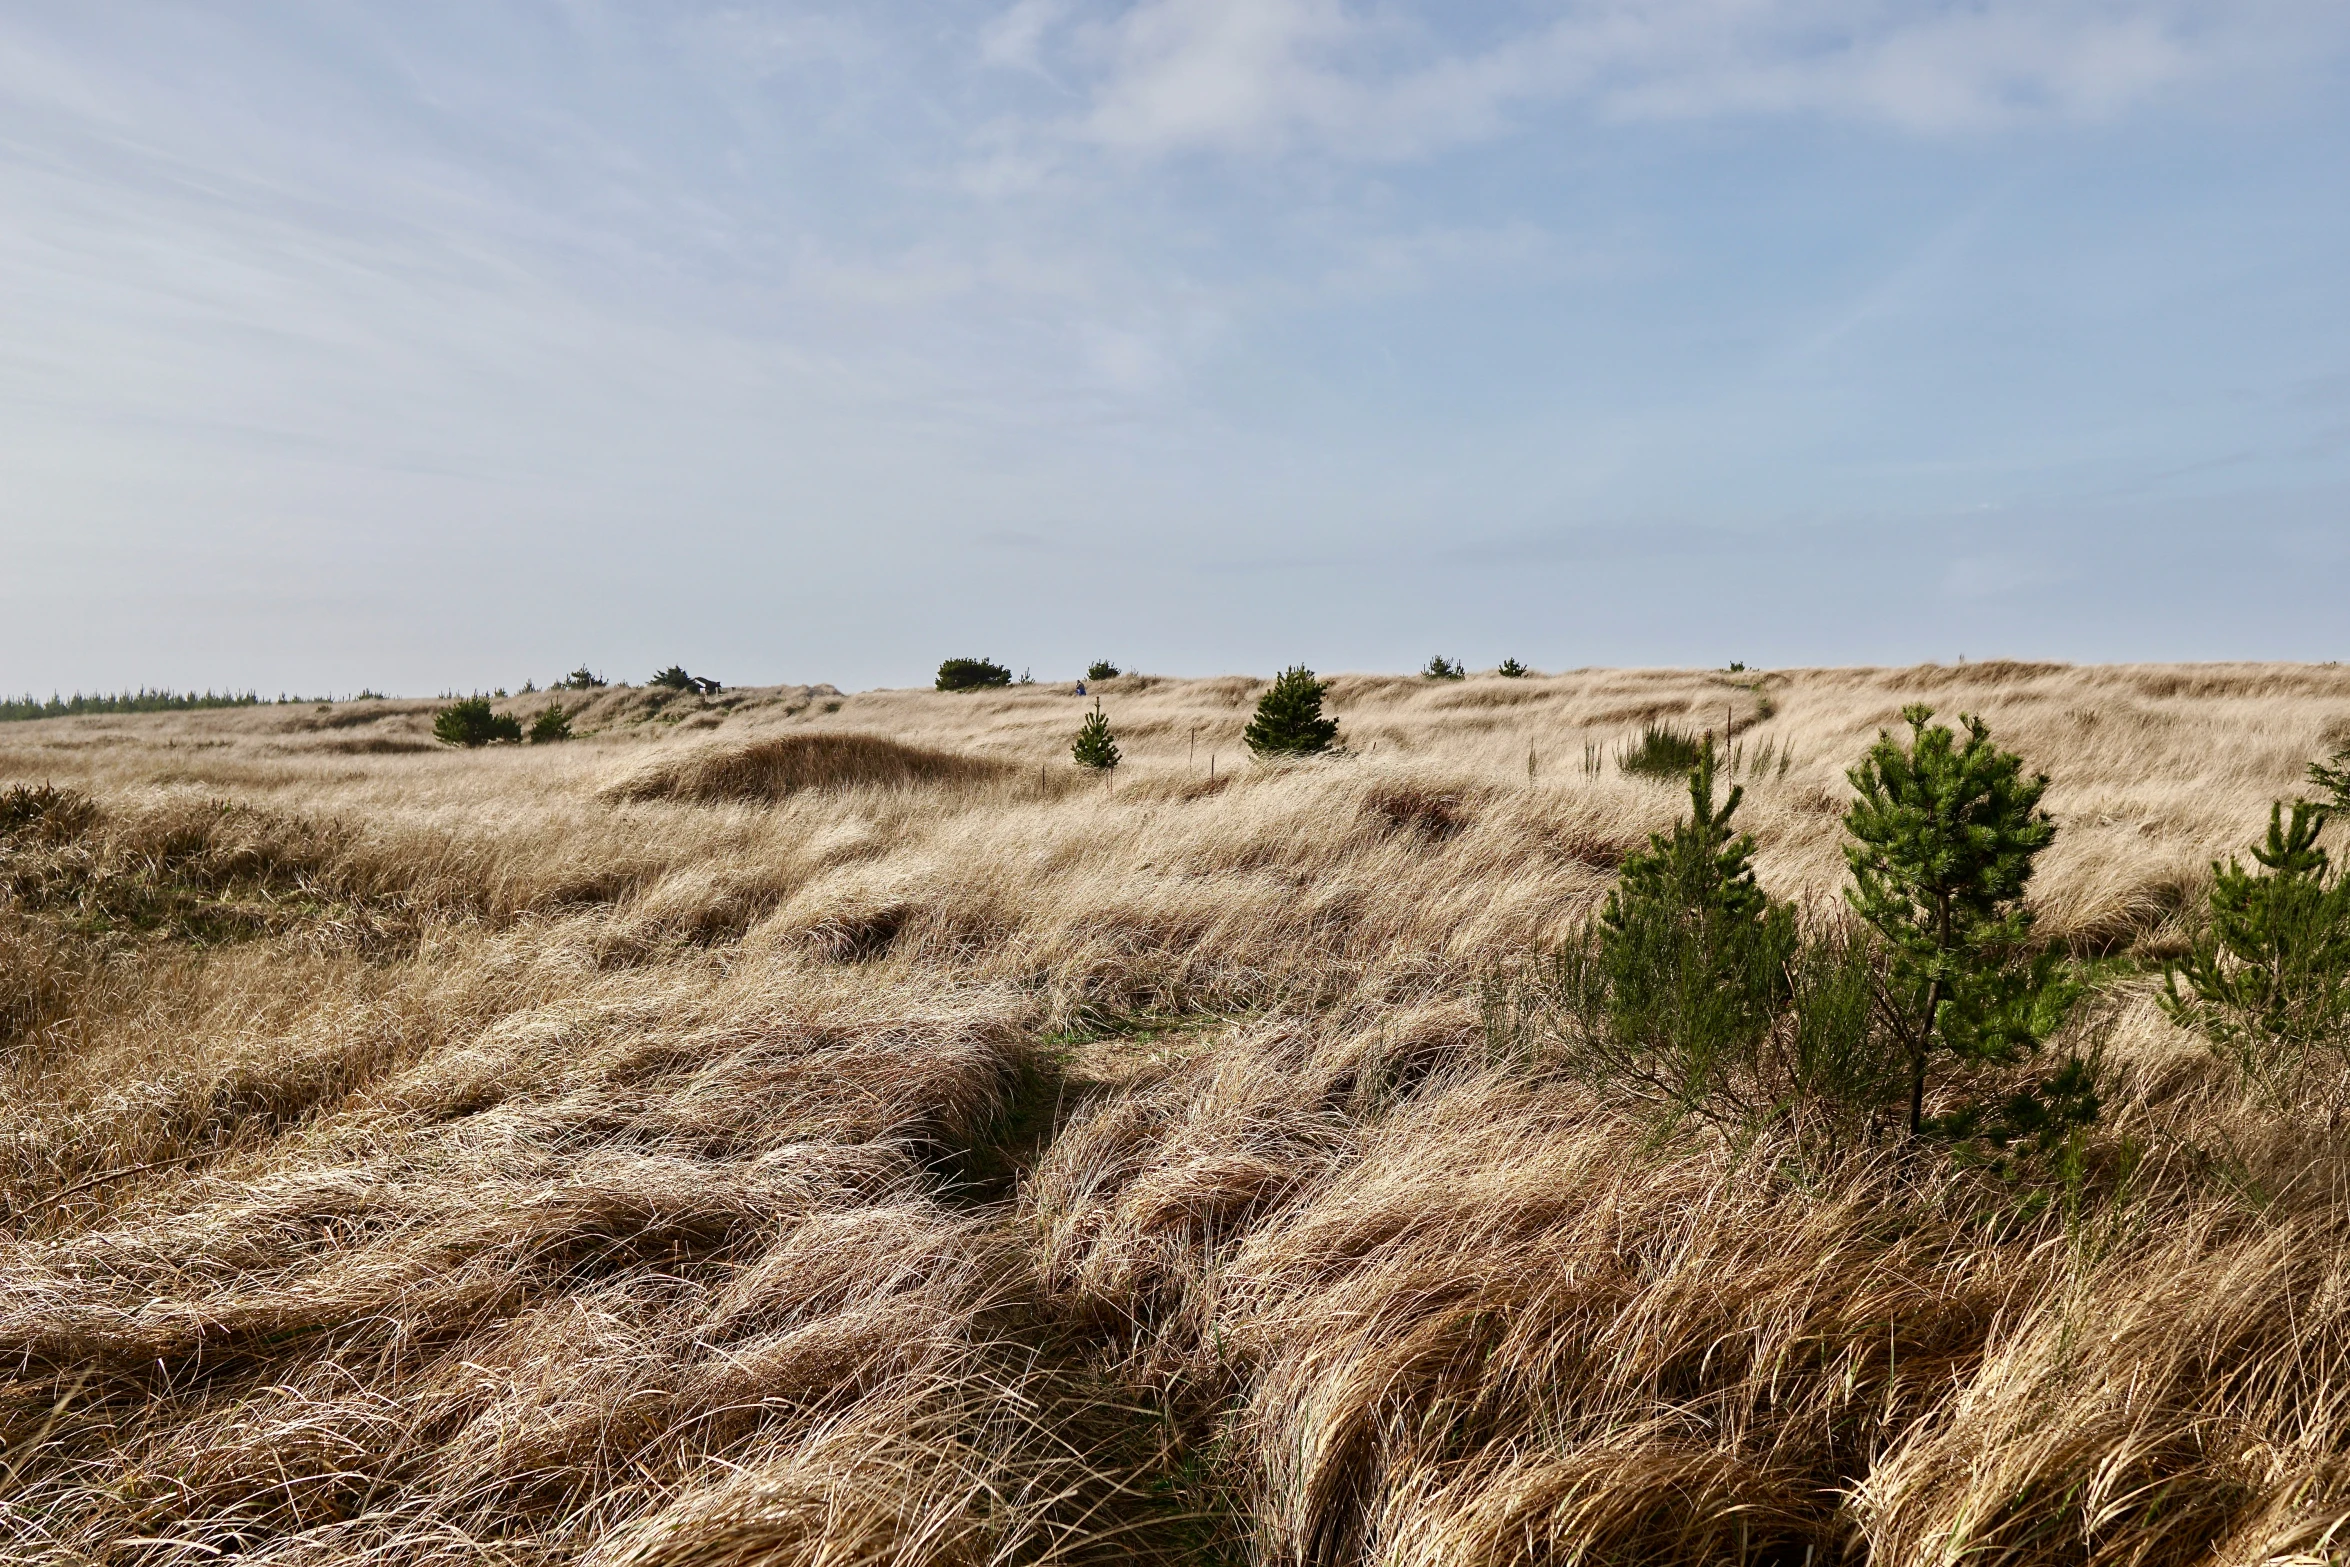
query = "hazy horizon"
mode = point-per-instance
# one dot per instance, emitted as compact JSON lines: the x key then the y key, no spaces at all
{"x":450,"y":347}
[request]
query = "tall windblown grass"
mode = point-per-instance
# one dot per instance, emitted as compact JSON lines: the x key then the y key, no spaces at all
{"x":753,"y":1133}
{"x":772,"y":768}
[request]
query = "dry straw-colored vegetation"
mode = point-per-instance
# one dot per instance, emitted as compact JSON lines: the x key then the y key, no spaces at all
{"x":793,"y":1128}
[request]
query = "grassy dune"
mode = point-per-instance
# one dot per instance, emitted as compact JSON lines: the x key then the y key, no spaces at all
{"x":795,"y":1128}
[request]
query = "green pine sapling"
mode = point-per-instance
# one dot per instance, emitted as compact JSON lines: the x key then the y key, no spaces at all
{"x":1691,"y":957}
{"x":551,"y":724}
{"x":1695,"y":995}
{"x":1289,"y":719}
{"x":2334,"y":780}
{"x":1095,"y":748}
{"x":1944,"y":836}
{"x":2268,"y":980}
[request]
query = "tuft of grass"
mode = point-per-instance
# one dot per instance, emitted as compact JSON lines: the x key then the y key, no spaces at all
{"x":45,"y":809}
{"x":1662,"y":751}
{"x":773,"y":769}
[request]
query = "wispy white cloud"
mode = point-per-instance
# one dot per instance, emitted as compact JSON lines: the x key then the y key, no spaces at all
{"x":1014,"y":40}
{"x":323,"y":296}
{"x":1173,"y":75}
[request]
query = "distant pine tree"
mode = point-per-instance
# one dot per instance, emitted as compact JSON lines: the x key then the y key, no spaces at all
{"x":472,"y":723}
{"x":1289,"y":719}
{"x":1511,"y":669}
{"x":972,"y":674}
{"x":1095,"y":748}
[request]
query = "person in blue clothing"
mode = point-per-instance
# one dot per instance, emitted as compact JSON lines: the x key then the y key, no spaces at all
{"x":1081,"y":688}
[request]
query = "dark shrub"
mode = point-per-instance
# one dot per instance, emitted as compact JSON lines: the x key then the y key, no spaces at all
{"x":472,"y":723}
{"x":1289,"y":719}
{"x":1101,"y":669}
{"x":972,"y":674}
{"x":1511,"y":669}
{"x":674,"y":678}
{"x":551,"y":724}
{"x":1442,"y":668}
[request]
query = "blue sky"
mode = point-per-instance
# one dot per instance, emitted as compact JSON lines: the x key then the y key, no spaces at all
{"x":447,"y":345}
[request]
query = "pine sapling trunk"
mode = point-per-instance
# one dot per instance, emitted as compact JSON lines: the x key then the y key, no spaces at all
{"x":1925,"y":1039}
{"x":1917,"y":1059}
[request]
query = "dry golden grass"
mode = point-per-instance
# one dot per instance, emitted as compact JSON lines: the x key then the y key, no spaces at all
{"x":769,"y":769}
{"x":795,"y":1127}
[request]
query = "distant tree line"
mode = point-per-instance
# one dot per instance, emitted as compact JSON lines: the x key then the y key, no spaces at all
{"x":17,"y":709}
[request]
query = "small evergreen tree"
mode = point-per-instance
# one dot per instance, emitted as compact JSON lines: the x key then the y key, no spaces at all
{"x":582,"y":679}
{"x":1441,"y":668}
{"x":2268,"y":981}
{"x":471,"y":723}
{"x":1944,"y":839}
{"x":551,"y":724}
{"x":1692,"y":956}
{"x":1095,"y":748}
{"x":972,"y":674}
{"x":2335,"y":781}
{"x":1289,"y":719}
{"x":1695,"y":995}
{"x":1101,"y":669}
{"x":1511,"y":669}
